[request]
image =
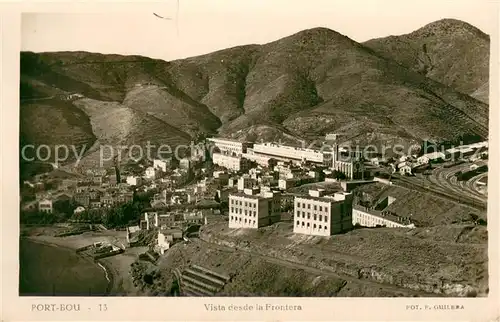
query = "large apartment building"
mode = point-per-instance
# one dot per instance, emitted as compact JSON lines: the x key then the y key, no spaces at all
{"x":320,"y":215}
{"x":252,"y":209}
{"x":262,"y":160}
{"x":229,"y":146}
{"x":233,"y":163}
{"x":290,"y":153}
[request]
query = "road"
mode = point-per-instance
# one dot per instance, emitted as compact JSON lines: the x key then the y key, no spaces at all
{"x":312,"y":270}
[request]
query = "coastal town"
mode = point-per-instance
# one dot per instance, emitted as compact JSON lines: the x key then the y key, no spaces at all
{"x":150,"y":208}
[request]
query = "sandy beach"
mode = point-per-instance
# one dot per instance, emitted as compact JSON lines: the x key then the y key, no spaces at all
{"x":117,"y":267}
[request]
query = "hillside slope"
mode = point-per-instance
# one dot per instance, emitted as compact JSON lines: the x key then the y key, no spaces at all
{"x":449,"y":51}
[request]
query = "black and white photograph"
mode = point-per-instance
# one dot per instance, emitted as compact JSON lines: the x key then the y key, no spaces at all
{"x":308,"y":149}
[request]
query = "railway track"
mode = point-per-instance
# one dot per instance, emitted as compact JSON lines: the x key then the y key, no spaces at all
{"x":440,"y":192}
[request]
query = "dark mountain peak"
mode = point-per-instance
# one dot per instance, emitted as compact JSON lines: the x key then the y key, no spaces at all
{"x":446,"y":27}
{"x":313,"y":38}
{"x":317,"y":33}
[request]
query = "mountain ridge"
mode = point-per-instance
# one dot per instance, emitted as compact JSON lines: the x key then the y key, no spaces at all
{"x":298,"y":87}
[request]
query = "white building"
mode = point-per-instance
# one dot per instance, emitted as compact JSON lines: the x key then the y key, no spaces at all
{"x":252,"y":209}
{"x":285,"y":184}
{"x":321,"y":215}
{"x":261,"y":160}
{"x":404,"y":168}
{"x":229,"y":146}
{"x":78,"y":210}
{"x":150,"y":173}
{"x":246,"y":182}
{"x":331,"y":137}
{"x":432,"y":156}
{"x":185,"y":164}
{"x":371,"y":218}
{"x":163,"y":243}
{"x":290,"y":152}
{"x":233,"y":163}
{"x":45,"y":205}
{"x":160,"y":164}
{"x":134,"y":181}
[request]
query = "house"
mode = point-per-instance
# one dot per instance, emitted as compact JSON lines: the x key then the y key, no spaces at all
{"x":285,"y":184}
{"x":185,"y":164}
{"x":125,"y":197}
{"x":171,"y":234}
{"x":246,"y":182}
{"x":223,"y":194}
{"x":82,"y":199}
{"x":194,"y":218}
{"x":95,"y":203}
{"x":163,"y":243}
{"x":150,"y":173}
{"x":45,"y":205}
{"x":404,"y":168}
{"x":107,"y":200}
{"x":97,"y":180}
{"x":165,"y":220}
{"x":134,"y":181}
{"x":161,"y":164}
{"x":403,"y":158}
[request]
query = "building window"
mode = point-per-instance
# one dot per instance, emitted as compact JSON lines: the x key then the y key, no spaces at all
{"x":319,"y":226}
{"x":320,"y":217}
{"x":320,"y":208}
{"x":315,"y":207}
{"x":308,"y":216}
{"x":326,"y":219}
{"x":314,"y":226}
{"x":315,"y":217}
{"x":302,"y":224}
{"x":245,"y":221}
{"x":308,"y":206}
{"x":326,"y":209}
{"x":297,"y":222}
{"x":308,"y":225}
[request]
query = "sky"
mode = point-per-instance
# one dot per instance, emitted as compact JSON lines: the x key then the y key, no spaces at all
{"x":202,"y":26}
